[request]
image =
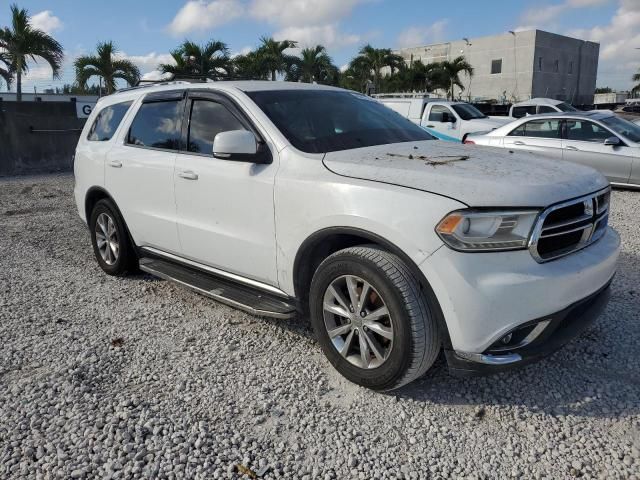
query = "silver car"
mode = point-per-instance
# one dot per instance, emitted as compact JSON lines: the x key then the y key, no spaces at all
{"x":600,"y":140}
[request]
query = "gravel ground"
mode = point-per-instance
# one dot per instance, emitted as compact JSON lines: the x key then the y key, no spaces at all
{"x":106,"y":377}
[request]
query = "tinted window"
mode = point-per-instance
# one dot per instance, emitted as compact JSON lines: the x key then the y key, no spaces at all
{"x":546,"y":109}
{"x":496,"y":66}
{"x":319,"y":121}
{"x":157,"y":125}
{"x":538,"y":129}
{"x":207,"y":120}
{"x":584,"y":131}
{"x":624,"y":127}
{"x":437,"y":111}
{"x":468,"y":112}
{"x":107,"y":122}
{"x":565,"y":107}
{"x":519,"y":112}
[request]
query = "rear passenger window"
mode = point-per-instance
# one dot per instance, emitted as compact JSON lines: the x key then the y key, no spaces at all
{"x":519,"y":112}
{"x":542,"y":129}
{"x":207,"y":120}
{"x":107,"y":122}
{"x":546,"y":109}
{"x":157,"y":125}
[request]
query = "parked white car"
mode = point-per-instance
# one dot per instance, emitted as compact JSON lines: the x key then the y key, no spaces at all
{"x":279,"y":198}
{"x":446,"y":120}
{"x":538,"y":105}
{"x":599,"y":139}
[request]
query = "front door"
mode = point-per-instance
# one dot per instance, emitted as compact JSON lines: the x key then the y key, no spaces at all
{"x":225,"y":208}
{"x":584,"y":144}
{"x":442,"y":123}
{"x":541,"y":136}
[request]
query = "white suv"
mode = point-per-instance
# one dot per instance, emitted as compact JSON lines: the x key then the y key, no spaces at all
{"x":279,"y":198}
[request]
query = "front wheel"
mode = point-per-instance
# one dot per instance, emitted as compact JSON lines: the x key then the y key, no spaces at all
{"x":371,"y":318}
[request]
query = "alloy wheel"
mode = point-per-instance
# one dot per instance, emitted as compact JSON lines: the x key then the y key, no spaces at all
{"x":107,"y":239}
{"x":358,"y":322}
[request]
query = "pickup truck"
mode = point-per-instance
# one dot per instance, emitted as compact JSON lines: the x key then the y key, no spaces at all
{"x":446,"y":120}
{"x":286,"y":199}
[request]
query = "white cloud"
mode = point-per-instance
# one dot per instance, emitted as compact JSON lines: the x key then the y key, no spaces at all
{"x":617,"y":38}
{"x":549,"y":14}
{"x":148,"y":62}
{"x":46,"y":21}
{"x":423,"y":35}
{"x":297,"y":13}
{"x":204,"y":15}
{"x":328,"y":35}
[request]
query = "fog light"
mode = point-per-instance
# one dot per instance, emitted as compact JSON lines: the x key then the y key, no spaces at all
{"x":507,"y":338}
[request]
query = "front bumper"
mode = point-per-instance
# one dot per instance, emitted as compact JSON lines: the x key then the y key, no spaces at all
{"x":560,"y":328}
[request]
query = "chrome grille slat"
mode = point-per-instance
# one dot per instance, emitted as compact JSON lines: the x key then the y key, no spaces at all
{"x":561,"y":236}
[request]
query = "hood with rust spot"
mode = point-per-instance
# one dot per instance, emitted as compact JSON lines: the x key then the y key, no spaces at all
{"x":475,"y":175}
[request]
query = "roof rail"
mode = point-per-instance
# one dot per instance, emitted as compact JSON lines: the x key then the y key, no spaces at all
{"x":405,"y":95}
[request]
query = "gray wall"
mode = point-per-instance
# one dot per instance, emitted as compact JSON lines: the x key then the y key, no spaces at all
{"x":520,"y":78}
{"x":575,"y":78}
{"x":23,"y":151}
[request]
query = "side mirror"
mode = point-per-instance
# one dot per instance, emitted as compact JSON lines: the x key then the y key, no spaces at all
{"x":448,"y":118}
{"x":612,"y":141}
{"x":235,"y":145}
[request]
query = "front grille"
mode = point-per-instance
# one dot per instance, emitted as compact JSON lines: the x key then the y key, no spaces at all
{"x":570,"y":226}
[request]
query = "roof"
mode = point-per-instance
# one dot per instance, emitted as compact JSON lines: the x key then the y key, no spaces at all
{"x":595,"y":114}
{"x":538,"y":101}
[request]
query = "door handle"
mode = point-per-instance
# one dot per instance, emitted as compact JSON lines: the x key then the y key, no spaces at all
{"x":571,"y":147}
{"x":518,"y":142}
{"x":431,"y":126}
{"x":188,"y":175}
{"x":115,"y":163}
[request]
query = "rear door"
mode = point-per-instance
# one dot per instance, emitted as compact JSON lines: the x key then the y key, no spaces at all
{"x":139,"y":171}
{"x":539,"y":135}
{"x":584,"y":143}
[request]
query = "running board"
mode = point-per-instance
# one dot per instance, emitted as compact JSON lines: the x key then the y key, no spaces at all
{"x":245,"y":298}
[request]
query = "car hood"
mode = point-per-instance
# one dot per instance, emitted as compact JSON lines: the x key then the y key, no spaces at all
{"x":475,"y":175}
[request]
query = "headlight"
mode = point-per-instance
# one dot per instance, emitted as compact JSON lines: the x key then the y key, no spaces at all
{"x":478,"y":230}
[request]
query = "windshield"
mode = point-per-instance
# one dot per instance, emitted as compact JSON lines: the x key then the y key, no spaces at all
{"x":623,"y":127}
{"x":320,"y":121}
{"x":468,"y":112}
{"x":565,"y":107}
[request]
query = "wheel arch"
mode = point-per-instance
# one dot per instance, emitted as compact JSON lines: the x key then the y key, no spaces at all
{"x":327,"y":241}
{"x":93,"y":196}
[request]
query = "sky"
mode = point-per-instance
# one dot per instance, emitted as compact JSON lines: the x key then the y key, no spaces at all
{"x":145,"y":31}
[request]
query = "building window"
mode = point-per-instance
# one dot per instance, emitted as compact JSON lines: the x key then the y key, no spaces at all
{"x":570,"y":68}
{"x":556,"y":66}
{"x":496,"y":66}
{"x":540,"y":63}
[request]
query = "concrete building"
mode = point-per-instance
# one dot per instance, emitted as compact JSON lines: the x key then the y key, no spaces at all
{"x":516,"y":66}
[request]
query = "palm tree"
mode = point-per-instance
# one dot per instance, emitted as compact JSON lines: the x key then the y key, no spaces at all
{"x":272,"y":55}
{"x":209,"y":60}
{"x":106,"y":65}
{"x":6,"y":71}
{"x":22,"y":43}
{"x":250,"y":66}
{"x":315,"y":65}
{"x":636,"y":78}
{"x":452,"y":71}
{"x":374,"y":60}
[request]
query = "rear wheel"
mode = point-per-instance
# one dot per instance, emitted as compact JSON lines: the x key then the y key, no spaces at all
{"x":110,"y":239}
{"x":372,"y":319}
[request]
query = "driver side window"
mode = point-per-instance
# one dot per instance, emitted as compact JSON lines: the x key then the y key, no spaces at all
{"x":437,"y":113}
{"x":206,"y":120}
{"x":585,"y":131}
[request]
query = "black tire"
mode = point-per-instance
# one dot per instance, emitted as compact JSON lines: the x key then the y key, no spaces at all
{"x":416,"y":340}
{"x":126,"y":260}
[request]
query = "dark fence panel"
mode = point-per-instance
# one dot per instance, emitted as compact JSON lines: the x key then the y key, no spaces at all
{"x":37,"y":137}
